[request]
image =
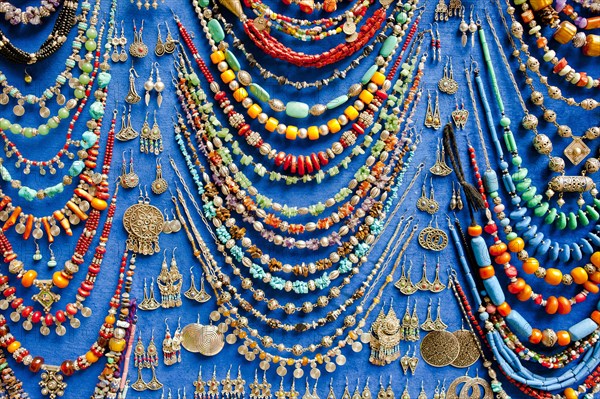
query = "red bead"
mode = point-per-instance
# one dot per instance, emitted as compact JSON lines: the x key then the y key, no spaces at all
{"x":48,"y":320}
{"x":36,"y":317}
{"x":511,"y":272}
{"x":60,"y":316}
{"x":36,"y":364}
{"x":67,"y":367}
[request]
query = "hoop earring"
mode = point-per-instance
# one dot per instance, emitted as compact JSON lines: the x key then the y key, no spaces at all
{"x":132,"y":96}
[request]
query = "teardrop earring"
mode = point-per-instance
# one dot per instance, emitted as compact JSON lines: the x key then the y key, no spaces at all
{"x":472,"y":26}
{"x":149,"y":86}
{"x":404,"y":361}
{"x":132,"y":96}
{"x":453,"y":198}
{"x":463,"y":28}
{"x":159,"y":48}
{"x":159,"y":86}
{"x":405,"y":394}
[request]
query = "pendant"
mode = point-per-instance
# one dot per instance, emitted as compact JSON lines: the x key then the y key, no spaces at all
{"x":45,"y":297}
{"x":576,"y":151}
{"x":52,"y":384}
{"x":143,"y":223}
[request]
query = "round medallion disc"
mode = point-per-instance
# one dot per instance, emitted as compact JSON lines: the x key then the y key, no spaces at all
{"x":439,"y":348}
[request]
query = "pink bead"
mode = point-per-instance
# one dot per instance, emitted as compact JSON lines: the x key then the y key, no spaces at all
{"x":491,"y":309}
{"x":499,"y":208}
{"x":511,"y":272}
{"x":580,"y":298}
{"x":538,"y":299}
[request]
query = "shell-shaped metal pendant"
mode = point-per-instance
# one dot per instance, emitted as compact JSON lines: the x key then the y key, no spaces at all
{"x":244,"y":78}
{"x":317,"y":109}
{"x":277,"y":105}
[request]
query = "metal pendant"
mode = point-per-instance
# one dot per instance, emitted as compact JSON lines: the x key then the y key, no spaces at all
{"x":52,"y":383}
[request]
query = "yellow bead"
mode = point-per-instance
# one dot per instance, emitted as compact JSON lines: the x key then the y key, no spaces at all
{"x":240,"y":94}
{"x":313,"y":133}
{"x":592,"y":46}
{"x":217,"y":57}
{"x":227,"y":76}
{"x":59,"y":280}
{"x":366,"y":96}
{"x":90,"y":357}
{"x":291,"y":132}
{"x":378,"y":78}
{"x":28,"y":278}
{"x":553,"y":276}
{"x":13,"y":346}
{"x":351,"y":112}
{"x":516,"y":245}
{"x":570,"y":393}
{"x":290,"y":361}
{"x":110,"y":319}
{"x":271,"y":124}
{"x":579,"y":275}
{"x":334,"y":126}
{"x":565,"y":32}
{"x":116,"y":344}
{"x":537,"y":5}
{"x":254,"y":111}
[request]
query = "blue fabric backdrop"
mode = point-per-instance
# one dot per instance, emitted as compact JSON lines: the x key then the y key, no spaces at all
{"x":55,"y":349}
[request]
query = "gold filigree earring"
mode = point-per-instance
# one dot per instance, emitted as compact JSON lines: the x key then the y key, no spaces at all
{"x":159,"y":48}
{"x":132,"y":96}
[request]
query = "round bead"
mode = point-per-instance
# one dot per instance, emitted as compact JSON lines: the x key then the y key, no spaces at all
{"x":579,"y":275}
{"x":28,"y":278}
{"x":59,"y":280}
{"x":563,"y":338}
{"x":551,"y":305}
{"x":553,"y":276}
{"x":531,"y":265}
{"x":535,"y":337}
{"x":516,"y":245}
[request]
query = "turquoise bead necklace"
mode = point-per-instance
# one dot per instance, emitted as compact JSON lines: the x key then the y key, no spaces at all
{"x":518,"y":183}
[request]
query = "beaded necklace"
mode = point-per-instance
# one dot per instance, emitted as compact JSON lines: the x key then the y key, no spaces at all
{"x":33,"y":15}
{"x":554,"y":92}
{"x":560,"y":66}
{"x":592,"y":5}
{"x":517,"y":184}
{"x":221,"y":282}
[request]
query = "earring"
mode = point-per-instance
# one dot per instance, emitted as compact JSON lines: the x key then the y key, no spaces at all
{"x":138,"y":48}
{"x":152,"y":353}
{"x":438,"y":42}
{"x":154,"y":4}
{"x":436,"y":392}
{"x":170,"y":43}
{"x":115,"y":42}
{"x":132,"y":178}
{"x":213,"y":384}
{"x":123,"y":42}
{"x":167,"y":225}
{"x":175,"y":223}
{"x":439,"y":325}
{"x":127,"y":180}
{"x":163,"y":281}
{"x":404,"y":362}
{"x":389,"y":391}
{"x":346,"y":393}
{"x":460,"y":116}
{"x":429,"y":113}
{"x":159,"y":86}
{"x":132,"y":96}
{"x":126,"y":133}
{"x":52,"y":262}
{"x":159,"y":185}
{"x":155,"y":137}
{"x":227,"y":385}
{"x":437,"y":286}
{"x":472,"y":26}
{"x":413,"y":361}
{"x":176,"y":281}
{"x":149,"y":85}
{"x":202,"y":295}
{"x":145,"y":136}
{"x":381,"y":393}
{"x":440,"y":168}
{"x":423,"y":202}
{"x":192,"y":292}
{"x":433,"y":238}
{"x":459,"y":202}
{"x":454,"y":8}
{"x":447,"y":84}
{"x":239,"y":383}
{"x":142,"y":305}
{"x":453,"y":198}
{"x":437,"y":119}
{"x":139,"y":352}
{"x":428,"y":325}
{"x":255,"y":391}
{"x":366,"y":392}
{"x":405,"y":394}
{"x":154,"y":384}
{"x":37,"y":256}
{"x":159,"y":49}
{"x":199,"y":386}
{"x":433,"y":205}
{"x":422,"y":394}
{"x":405,"y":326}
{"x":414,"y":324}
{"x":265,"y":386}
{"x":424,"y":284}
{"x":149,"y":303}
{"x":443,"y":391}
{"x":177,"y":341}
{"x":405,"y":284}
{"x":167,"y":347}
{"x":356,"y":393}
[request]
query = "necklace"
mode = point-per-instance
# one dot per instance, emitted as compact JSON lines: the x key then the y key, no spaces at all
{"x":31,"y":15}
{"x":64,"y":23}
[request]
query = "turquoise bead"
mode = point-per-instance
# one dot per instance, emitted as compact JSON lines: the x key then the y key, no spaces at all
{"x":511,"y":236}
{"x":551,"y":216}
{"x":97,"y":110}
{"x":260,"y":93}
{"x":88,"y":139}
{"x":27,"y":193}
{"x":216,"y":30}
{"x":336,"y":102}
{"x":583,"y":219}
{"x":572,"y":221}
{"x":296,"y":109}
{"x":592,"y":213}
{"x":368,"y":75}
{"x":505,"y":121}
{"x":203,"y":3}
{"x":232,"y":61}
{"x":401,"y":17}
{"x":76,"y":168}
{"x":388,"y":46}
{"x":104,"y":79}
{"x":561,"y":222}
{"x":53,"y":190}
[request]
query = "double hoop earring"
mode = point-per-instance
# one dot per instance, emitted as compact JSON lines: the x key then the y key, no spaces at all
{"x":433,"y":238}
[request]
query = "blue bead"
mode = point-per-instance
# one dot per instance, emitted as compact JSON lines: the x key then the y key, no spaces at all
{"x":536,"y":240}
{"x":554,"y":251}
{"x":586,"y":246}
{"x":544,"y":247}
{"x":523,"y":224}
{"x":576,"y":252}
{"x":494,"y":289}
{"x":516,"y":200}
{"x":519,"y":325}
{"x":565,"y":254}
{"x":527,"y":235}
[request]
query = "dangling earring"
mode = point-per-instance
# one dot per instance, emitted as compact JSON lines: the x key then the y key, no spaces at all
{"x":175,"y":223}
{"x":428,"y":325}
{"x":202,"y":295}
{"x":454,"y":8}
{"x":423,"y":201}
{"x":139,"y":352}
{"x":143,"y":305}
{"x":147,"y":4}
{"x":437,"y":119}
{"x":199,"y":385}
{"x":123,"y":179}
{"x":413,"y":361}
{"x":389,"y":392}
{"x":405,"y":326}
{"x":404,"y":361}
{"x":356,"y":393}
{"x":402,"y":281}
{"x":453,"y":198}
{"x":429,"y":113}
{"x":52,"y":262}
{"x":152,"y":352}
{"x":154,"y":384}
{"x":434,"y":206}
{"x":459,"y":202}
{"x":154,"y":4}
{"x":472,"y":26}
{"x":424,"y":284}
{"x":437,"y":285}
{"x":159,"y":86}
{"x":414,"y":324}
{"x":405,"y":394}
{"x":422,"y":394}
{"x":132,"y":178}
{"x":163,"y":281}
{"x":145,"y":136}
{"x":37,"y":256}
{"x":170,"y":43}
{"x":380,"y":394}
{"x":443,"y":82}
{"x":440,"y":168}
{"x":123,"y":42}
{"x":138,"y":48}
{"x":153,"y":304}
{"x":176,"y":281}
{"x":155,"y":137}
{"x":407,"y":287}
{"x":149,"y":86}
{"x":159,"y":49}
{"x":441,"y":11}
{"x":115,"y":42}
{"x":366,"y":392}
{"x":132,"y":96}
{"x":167,"y":224}
{"x":159,"y":185}
{"x":463,"y":28}
{"x":127,"y":131}
{"x":439,"y":324}
{"x":167,"y":347}
{"x":192,"y":292}
{"x":438,"y":42}
{"x":239,"y":385}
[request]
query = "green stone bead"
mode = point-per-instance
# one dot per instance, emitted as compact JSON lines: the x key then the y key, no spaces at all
{"x":368,"y":75}
{"x":90,"y":45}
{"x":401,"y":17}
{"x":79,"y":93}
{"x":528,"y":195}
{"x":203,"y":3}
{"x":4,"y":124}
{"x":260,"y":93}
{"x":583,"y":219}
{"x":505,"y":121}
{"x":87,"y":67}
{"x":63,"y":113}
{"x":597,"y":203}
{"x":535,"y":201}
{"x":84,"y":79}
{"x":28,"y":132}
{"x":572,"y":221}
{"x":336,"y":102}
{"x":519,"y":175}
{"x":216,"y":30}
{"x":15,"y":128}
{"x":551,"y":216}
{"x":592,"y":213}
{"x":511,"y":236}
{"x":43,"y":130}
{"x":232,"y":61}
{"x":561,"y":221}
{"x":509,"y":141}
{"x":541,"y":209}
{"x":517,"y":161}
{"x":523,"y":185}
{"x":388,"y":46}
{"x":296,"y":109}
{"x":91,"y":33}
{"x":53,"y":122}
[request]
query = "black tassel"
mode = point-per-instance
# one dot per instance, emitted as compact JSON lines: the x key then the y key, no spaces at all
{"x":471,"y":193}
